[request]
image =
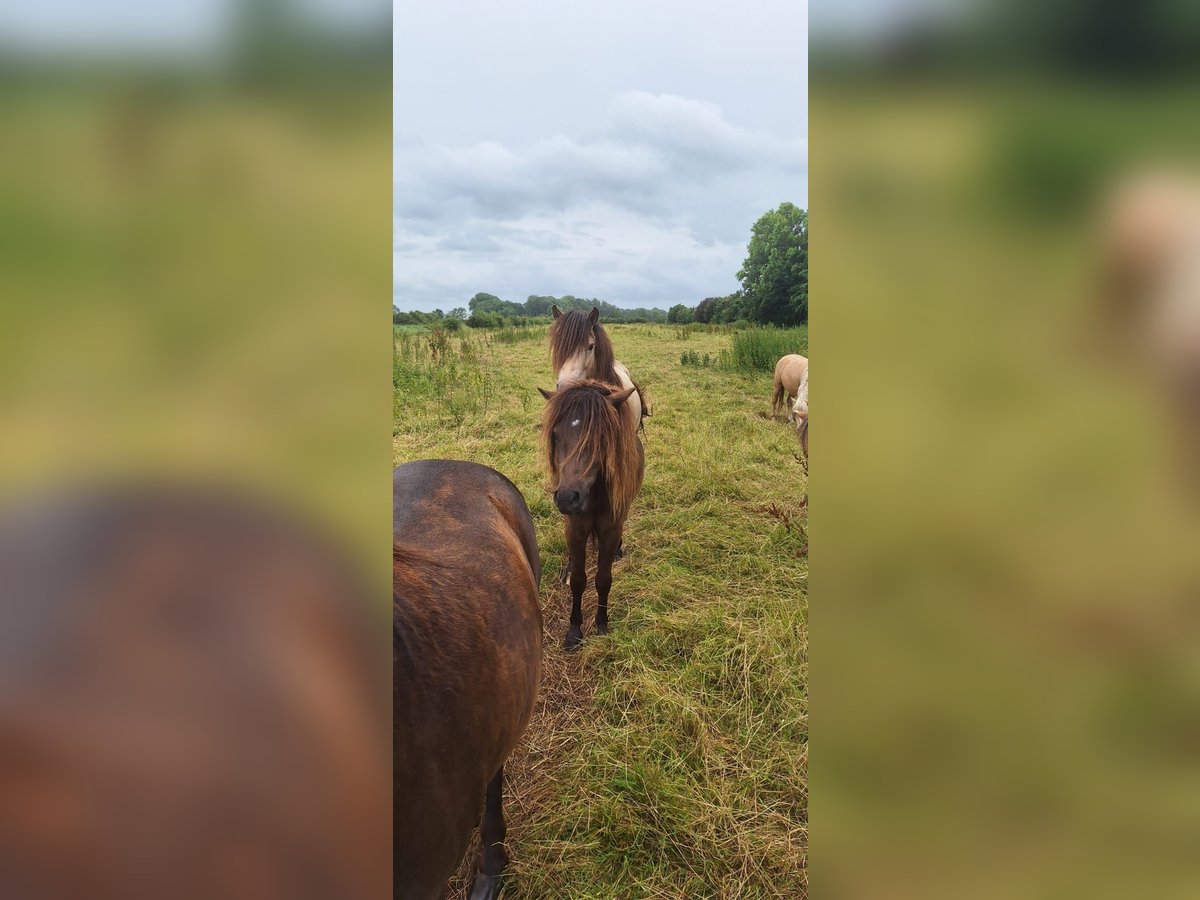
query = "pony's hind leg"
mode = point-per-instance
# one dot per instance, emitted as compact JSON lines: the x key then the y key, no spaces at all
{"x":493,"y":858}
{"x":776,"y":396}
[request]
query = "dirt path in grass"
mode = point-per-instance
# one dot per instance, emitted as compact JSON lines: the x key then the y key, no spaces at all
{"x":565,"y":694}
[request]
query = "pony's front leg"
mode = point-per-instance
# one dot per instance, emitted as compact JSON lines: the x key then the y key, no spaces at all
{"x":606,"y":551}
{"x":577,"y":551}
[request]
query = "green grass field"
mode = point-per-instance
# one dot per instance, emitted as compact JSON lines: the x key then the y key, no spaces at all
{"x":667,"y":759}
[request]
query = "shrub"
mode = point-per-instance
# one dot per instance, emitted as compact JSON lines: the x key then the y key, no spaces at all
{"x":758,"y":349}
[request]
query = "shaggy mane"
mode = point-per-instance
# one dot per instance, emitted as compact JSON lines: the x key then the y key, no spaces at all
{"x":570,"y":334}
{"x":606,"y":442}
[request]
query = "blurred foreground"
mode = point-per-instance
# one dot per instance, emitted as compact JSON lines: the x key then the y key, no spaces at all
{"x":194,"y":262}
{"x":192,"y":703}
{"x":1006,"y":526}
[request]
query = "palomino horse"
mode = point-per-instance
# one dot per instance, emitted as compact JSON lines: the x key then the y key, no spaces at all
{"x":466,"y":659}
{"x":1151,"y":269}
{"x":580,"y":349}
{"x":596,"y":465}
{"x":800,"y":413}
{"x":788,"y":373}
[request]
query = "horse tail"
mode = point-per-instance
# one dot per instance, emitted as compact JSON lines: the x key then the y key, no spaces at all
{"x":646,"y":414}
{"x":777,"y":396}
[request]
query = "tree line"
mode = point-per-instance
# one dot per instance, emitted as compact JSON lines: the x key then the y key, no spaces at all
{"x":774,"y":290}
{"x":489,"y":311}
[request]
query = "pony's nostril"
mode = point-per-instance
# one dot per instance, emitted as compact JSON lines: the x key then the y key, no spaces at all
{"x":566,"y":498}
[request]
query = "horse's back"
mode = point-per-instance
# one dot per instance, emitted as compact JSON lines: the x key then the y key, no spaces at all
{"x":789,"y":371}
{"x":467,"y":558}
{"x":444,"y":493}
{"x":466,"y":654}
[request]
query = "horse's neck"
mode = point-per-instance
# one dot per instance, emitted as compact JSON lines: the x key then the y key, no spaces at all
{"x":634,"y":402}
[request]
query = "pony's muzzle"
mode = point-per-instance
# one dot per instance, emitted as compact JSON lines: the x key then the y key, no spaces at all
{"x":570,"y":503}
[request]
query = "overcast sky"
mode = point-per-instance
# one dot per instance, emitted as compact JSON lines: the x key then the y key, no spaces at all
{"x":618,"y":149}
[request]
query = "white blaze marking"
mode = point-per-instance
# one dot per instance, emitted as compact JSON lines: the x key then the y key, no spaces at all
{"x":574,"y":369}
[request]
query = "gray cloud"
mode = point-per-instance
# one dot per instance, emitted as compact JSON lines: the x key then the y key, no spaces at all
{"x":697,"y":135}
{"x":637,"y":196}
{"x":655,"y":149}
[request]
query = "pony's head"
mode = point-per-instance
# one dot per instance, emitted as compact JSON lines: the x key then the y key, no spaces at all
{"x":579,"y":347}
{"x":587,"y":440}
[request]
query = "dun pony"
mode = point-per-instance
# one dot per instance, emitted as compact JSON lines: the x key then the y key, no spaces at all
{"x":580,"y":349}
{"x":466,"y":649}
{"x":596,"y":464}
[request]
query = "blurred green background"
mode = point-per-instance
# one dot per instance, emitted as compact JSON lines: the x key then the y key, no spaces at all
{"x":1006,"y":591}
{"x":194,"y":248}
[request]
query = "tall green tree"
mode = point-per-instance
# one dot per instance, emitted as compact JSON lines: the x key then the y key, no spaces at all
{"x":729,"y":309}
{"x":679,"y":314}
{"x":774,"y":275}
{"x":482,"y":303}
{"x":705,"y":309}
{"x":538,"y":306}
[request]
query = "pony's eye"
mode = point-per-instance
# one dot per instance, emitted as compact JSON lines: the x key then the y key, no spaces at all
{"x":591,"y":347}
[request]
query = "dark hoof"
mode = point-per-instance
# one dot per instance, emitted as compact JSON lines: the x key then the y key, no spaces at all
{"x":601,"y":628}
{"x":486,"y":887}
{"x":572,"y":641}
{"x":620,"y":554}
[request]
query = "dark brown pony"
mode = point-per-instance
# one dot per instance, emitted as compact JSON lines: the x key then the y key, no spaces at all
{"x":467,"y":651}
{"x":596,"y":465}
{"x":580,"y":350}
{"x":193,"y":702}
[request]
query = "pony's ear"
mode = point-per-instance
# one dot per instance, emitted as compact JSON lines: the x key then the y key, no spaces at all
{"x":545,"y":393}
{"x":555,"y":311}
{"x":594,"y":315}
{"x":618,"y":397}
